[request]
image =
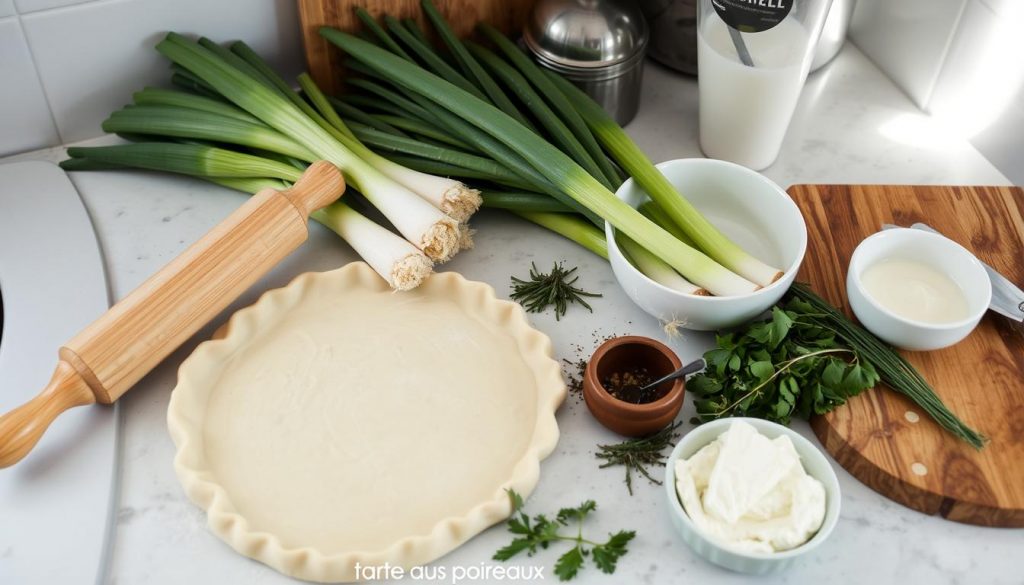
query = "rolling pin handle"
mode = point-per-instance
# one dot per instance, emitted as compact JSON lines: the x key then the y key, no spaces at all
{"x":318,"y":187}
{"x":21,"y":428}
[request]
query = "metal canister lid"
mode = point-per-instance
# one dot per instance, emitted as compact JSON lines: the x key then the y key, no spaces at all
{"x":593,"y":39}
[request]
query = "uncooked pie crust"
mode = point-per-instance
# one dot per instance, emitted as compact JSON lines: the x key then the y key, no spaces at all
{"x":338,"y":422}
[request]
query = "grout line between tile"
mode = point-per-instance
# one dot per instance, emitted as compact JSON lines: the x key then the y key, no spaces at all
{"x":54,"y":8}
{"x":39,"y":79}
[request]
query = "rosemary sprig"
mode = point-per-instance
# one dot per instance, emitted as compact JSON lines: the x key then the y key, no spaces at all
{"x":554,"y":288}
{"x":637,"y":454}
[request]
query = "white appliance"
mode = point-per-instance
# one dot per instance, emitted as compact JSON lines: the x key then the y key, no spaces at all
{"x":56,"y":505}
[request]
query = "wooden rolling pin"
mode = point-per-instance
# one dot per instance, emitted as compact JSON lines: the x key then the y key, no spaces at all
{"x":109,"y":356}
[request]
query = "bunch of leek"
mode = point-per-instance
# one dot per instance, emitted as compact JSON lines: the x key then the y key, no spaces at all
{"x":544,"y":148}
{"x":242,"y":126}
{"x":400,"y":263}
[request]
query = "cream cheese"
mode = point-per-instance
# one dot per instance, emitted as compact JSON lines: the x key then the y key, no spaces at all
{"x":750,"y":493}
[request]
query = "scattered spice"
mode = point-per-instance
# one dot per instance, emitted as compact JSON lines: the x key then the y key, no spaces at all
{"x":628,"y":386}
{"x":577,"y":370}
{"x":637,"y":454}
{"x":554,"y":288}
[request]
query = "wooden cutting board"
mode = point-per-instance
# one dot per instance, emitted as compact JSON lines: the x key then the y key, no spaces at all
{"x":325,"y":61}
{"x":882,"y":438}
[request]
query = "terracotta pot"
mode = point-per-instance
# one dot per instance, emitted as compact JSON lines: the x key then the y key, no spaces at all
{"x":622,"y":353}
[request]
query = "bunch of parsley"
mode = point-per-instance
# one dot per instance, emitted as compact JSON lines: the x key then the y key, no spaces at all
{"x":791,"y":364}
{"x":541,"y":531}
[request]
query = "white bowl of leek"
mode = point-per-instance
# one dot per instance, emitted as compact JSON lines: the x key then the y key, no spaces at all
{"x":749,"y":209}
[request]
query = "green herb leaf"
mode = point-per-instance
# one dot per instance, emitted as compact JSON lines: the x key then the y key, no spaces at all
{"x":513,"y":548}
{"x":578,"y":513}
{"x":762,"y":371}
{"x":607,"y":555}
{"x":781,"y":324}
{"x":569,"y":564}
{"x":516,"y":500}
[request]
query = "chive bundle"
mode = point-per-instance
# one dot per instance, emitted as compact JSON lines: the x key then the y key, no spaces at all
{"x":895,"y":371}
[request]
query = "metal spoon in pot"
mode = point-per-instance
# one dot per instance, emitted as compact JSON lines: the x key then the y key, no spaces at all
{"x":690,"y":368}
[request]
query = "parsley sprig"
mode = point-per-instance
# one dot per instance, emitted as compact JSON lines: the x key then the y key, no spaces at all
{"x":791,"y":364}
{"x":540,"y":531}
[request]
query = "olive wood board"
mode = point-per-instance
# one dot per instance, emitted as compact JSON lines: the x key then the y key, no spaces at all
{"x":325,"y":61}
{"x":881,"y":437}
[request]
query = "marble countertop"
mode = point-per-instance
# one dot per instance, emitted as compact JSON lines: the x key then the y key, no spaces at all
{"x":853,"y":126}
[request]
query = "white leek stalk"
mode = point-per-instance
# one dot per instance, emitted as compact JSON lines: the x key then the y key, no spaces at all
{"x":654,"y":268}
{"x":449,"y":195}
{"x":416,"y":219}
{"x":396,"y":260}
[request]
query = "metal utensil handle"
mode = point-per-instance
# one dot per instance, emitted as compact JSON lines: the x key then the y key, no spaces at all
{"x":690,"y":368}
{"x":1007,"y":298}
{"x":741,"y":47}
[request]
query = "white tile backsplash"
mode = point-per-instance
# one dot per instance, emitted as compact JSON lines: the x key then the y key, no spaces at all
{"x":26,"y":6}
{"x":1003,"y":7}
{"x":82,"y":59}
{"x":980,"y":91}
{"x":25,"y":121}
{"x":92,"y":56}
{"x":984,"y":70}
{"x":908,"y":39}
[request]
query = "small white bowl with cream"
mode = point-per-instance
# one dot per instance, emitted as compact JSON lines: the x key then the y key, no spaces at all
{"x":917,"y":290}
{"x":751,"y":495}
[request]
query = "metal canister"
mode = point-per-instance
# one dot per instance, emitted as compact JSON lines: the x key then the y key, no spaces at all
{"x":673,"y":26}
{"x":597,"y":44}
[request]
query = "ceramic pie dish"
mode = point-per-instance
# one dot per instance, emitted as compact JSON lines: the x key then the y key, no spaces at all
{"x":338,"y":423}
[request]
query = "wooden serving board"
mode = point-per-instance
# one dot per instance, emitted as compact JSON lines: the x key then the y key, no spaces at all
{"x":325,"y":61}
{"x":881,"y":437}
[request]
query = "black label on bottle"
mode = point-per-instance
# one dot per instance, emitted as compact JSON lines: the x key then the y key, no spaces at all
{"x":752,"y":15}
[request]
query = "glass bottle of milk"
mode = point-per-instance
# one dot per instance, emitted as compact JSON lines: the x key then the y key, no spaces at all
{"x":753,"y":57}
